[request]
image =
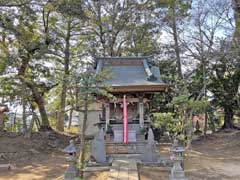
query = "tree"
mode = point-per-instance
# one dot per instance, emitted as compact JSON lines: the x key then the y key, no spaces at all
{"x":118,"y":28}
{"x":85,"y":85}
{"x":70,"y":17}
{"x":174,"y":12}
{"x":225,"y":81}
{"x":29,"y":45}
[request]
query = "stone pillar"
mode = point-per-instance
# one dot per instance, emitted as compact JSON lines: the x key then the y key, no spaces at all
{"x":141,"y":113}
{"x":107,"y":115}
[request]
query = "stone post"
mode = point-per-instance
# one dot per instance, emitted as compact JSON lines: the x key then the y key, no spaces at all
{"x":107,"y":115}
{"x":141,"y":113}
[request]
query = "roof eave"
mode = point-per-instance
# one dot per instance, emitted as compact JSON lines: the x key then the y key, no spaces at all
{"x":139,"y":88}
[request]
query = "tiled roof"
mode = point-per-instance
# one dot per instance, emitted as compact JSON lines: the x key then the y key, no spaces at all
{"x":130,"y":71}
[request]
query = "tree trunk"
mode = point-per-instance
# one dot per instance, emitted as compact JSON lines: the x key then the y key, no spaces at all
{"x":205,"y":123}
{"x":24,"y":104}
{"x":37,"y":121}
{"x":2,"y":110}
{"x":1,"y":121}
{"x":60,"y":122}
{"x":45,"y":122}
{"x":85,"y":117}
{"x":236,"y":8}
{"x":24,"y":117}
{"x":228,"y":118}
{"x":35,"y":116}
{"x":28,"y":134}
{"x":38,"y":98}
{"x":176,"y":43}
{"x":70,"y":118}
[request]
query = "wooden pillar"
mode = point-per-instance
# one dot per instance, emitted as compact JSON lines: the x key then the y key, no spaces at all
{"x":141,"y":113}
{"x":107,"y":115}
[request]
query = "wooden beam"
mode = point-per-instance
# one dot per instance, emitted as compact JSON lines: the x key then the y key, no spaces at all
{"x":119,"y":100}
{"x":123,"y":63}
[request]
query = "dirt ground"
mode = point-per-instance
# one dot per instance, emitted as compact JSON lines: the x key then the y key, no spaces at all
{"x":40,"y":158}
{"x":215,"y":158}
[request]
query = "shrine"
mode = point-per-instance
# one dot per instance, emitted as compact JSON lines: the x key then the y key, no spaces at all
{"x":125,"y":117}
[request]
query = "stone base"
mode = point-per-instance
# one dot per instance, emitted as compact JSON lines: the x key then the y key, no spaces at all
{"x":97,"y":168}
{"x":130,"y":148}
{"x":160,"y":163}
{"x":71,"y":174}
{"x":175,"y":178}
{"x":178,"y":175}
{"x":96,"y":164}
{"x":158,"y":166}
{"x":152,"y":164}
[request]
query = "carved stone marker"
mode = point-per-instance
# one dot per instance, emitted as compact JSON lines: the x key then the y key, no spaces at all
{"x":72,"y":171}
{"x":149,"y":152}
{"x":98,"y":150}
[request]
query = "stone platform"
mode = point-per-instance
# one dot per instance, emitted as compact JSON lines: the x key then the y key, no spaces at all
{"x":130,"y":148}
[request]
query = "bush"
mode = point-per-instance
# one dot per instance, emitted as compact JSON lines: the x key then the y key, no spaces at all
{"x":166,"y":122}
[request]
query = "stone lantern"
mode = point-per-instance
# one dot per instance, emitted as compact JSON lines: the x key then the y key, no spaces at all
{"x":177,"y":172}
{"x":72,"y":170}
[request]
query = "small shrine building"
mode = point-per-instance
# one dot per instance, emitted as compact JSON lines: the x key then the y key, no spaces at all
{"x":133,"y":82}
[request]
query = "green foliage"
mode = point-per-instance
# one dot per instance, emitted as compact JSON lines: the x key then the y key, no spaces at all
{"x":161,"y":120}
{"x":70,"y":8}
{"x":185,"y":103}
{"x":128,"y":28}
{"x":225,"y":81}
{"x":86,"y":85}
{"x":181,"y":7}
{"x":166,"y":122}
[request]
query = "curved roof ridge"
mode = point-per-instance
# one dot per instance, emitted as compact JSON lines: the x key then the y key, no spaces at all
{"x":124,"y":57}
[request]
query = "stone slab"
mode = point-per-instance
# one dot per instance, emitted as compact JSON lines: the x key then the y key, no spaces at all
{"x":124,"y":168}
{"x":97,"y":164}
{"x":99,"y":168}
{"x":6,"y":166}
